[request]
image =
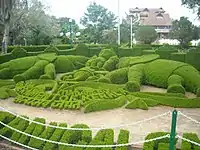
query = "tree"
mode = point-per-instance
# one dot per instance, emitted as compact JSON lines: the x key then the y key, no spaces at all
{"x":109,"y":36}
{"x":146,"y":34}
{"x":193,"y":4}
{"x":96,"y":20}
{"x":9,"y":15}
{"x":184,"y":31}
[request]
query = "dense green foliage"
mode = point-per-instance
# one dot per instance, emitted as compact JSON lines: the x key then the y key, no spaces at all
{"x":118,"y":76}
{"x":178,"y":57}
{"x":123,"y":138}
{"x":137,"y":103}
{"x":186,"y":145}
{"x":49,"y":72}
{"x":18,"y":52}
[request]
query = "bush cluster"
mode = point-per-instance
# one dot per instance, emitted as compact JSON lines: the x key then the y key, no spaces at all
{"x":63,"y":64}
{"x":18,"y":52}
{"x":107,"y":53}
{"x":49,"y":72}
{"x":118,"y":76}
{"x":111,"y":63}
{"x":175,"y":83}
{"x":137,"y":103}
{"x":178,"y":57}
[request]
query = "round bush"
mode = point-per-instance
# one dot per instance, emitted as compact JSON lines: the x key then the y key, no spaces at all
{"x":132,"y":86}
{"x":110,"y":64}
{"x":175,"y":79}
{"x":107,"y":53}
{"x":176,"y":88}
{"x":19,"y":52}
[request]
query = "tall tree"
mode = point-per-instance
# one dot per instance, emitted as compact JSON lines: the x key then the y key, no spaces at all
{"x":146,"y":34}
{"x":193,"y":4}
{"x":184,"y":31}
{"x":8,"y":16}
{"x":97,"y":19}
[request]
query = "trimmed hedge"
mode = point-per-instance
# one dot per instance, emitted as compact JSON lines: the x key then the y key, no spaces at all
{"x":148,"y":52}
{"x":33,"y":73}
{"x":186,"y":145}
{"x":111,"y":63}
{"x":132,"y":86}
{"x":25,"y":139}
{"x":5,"y":73}
{"x":99,"y":105}
{"x":82,"y":49}
{"x":178,"y":57}
{"x":5,"y":58}
{"x":193,"y":59}
{"x":158,"y":71}
{"x":165,"y":54}
{"x":118,"y":76}
{"x":171,"y":101}
{"x":175,"y":79}
{"x":137,"y":103}
{"x":125,"y":52}
{"x":107,"y":53}
{"x":82,"y":74}
{"x":56,"y":136}
{"x":155,"y":144}
{"x":51,"y":57}
{"x":176,"y":88}
{"x":6,"y":118}
{"x":191,"y":77}
{"x":103,"y":137}
{"x":51,"y":49}
{"x":63,"y":64}
{"x":19,"y":52}
{"x":50,"y":72}
{"x":123,"y":138}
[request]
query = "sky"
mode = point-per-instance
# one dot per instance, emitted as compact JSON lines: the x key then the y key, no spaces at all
{"x":75,"y":8}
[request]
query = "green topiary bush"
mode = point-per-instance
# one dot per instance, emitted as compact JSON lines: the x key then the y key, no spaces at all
{"x":107,"y":53}
{"x":33,"y":73}
{"x":104,"y":80}
{"x":175,"y":79}
{"x":51,"y":57}
{"x":105,"y":104}
{"x":50,"y":72}
{"x":3,"y":93}
{"x":123,"y":138}
{"x":187,"y":145}
{"x":5,"y":73}
{"x":148,"y":52}
{"x":136,"y":74}
{"x":176,"y":88}
{"x":198,"y":92}
{"x":82,"y":74}
{"x":158,"y":71}
{"x":82,"y":49}
{"x":193,"y":59}
{"x":137,"y":103}
{"x":19,"y":52}
{"x":63,"y":64}
{"x":118,"y":76}
{"x":132,"y":86}
{"x":111,"y":63}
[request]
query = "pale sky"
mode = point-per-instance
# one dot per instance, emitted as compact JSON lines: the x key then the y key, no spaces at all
{"x":75,"y":8}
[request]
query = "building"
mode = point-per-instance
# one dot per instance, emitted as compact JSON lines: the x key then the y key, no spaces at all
{"x":155,"y":17}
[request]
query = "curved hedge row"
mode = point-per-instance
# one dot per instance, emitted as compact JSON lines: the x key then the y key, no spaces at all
{"x":137,"y":103}
{"x":99,"y":105}
{"x":123,"y":138}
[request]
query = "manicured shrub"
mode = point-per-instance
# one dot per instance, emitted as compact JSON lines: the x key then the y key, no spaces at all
{"x":138,"y":103}
{"x":82,"y":49}
{"x":92,"y":78}
{"x":165,"y":54}
{"x":19,"y":52}
{"x":143,"y":59}
{"x":78,"y":61}
{"x":25,"y":139}
{"x":111,"y":63}
{"x":58,"y":133}
{"x":50,"y":72}
{"x":178,"y":57}
{"x":51,"y":49}
{"x":103,"y":137}
{"x":82,"y":74}
{"x":33,"y":73}
{"x":166,"y":94}
{"x":191,"y":77}
{"x":5,"y":73}
{"x":94,"y":51}
{"x":23,"y":124}
{"x":136,"y":74}
{"x":105,"y":104}
{"x":51,"y":57}
{"x":193,"y":59}
{"x":3,"y":93}
{"x":132,"y":86}
{"x":124,"y":62}
{"x":123,"y":138}
{"x":5,"y":58}
{"x":104,"y":80}
{"x":118,"y":76}
{"x":158,"y":71}
{"x":11,"y":92}
{"x":46,"y":134}
{"x":175,"y":79}
{"x":107,"y":53}
{"x":186,"y":145}
{"x":155,"y":144}
{"x":63,"y":64}
{"x":176,"y":88}
{"x":6,"y":118}
{"x":67,"y":52}
{"x":73,"y":137}
{"x":164,"y":146}
{"x":177,"y":102}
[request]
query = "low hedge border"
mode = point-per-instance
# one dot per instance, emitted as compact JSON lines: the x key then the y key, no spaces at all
{"x":123,"y":138}
{"x":186,"y":145}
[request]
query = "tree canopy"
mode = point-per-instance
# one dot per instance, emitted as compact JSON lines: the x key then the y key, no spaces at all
{"x":193,"y":4}
{"x":184,"y":31}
